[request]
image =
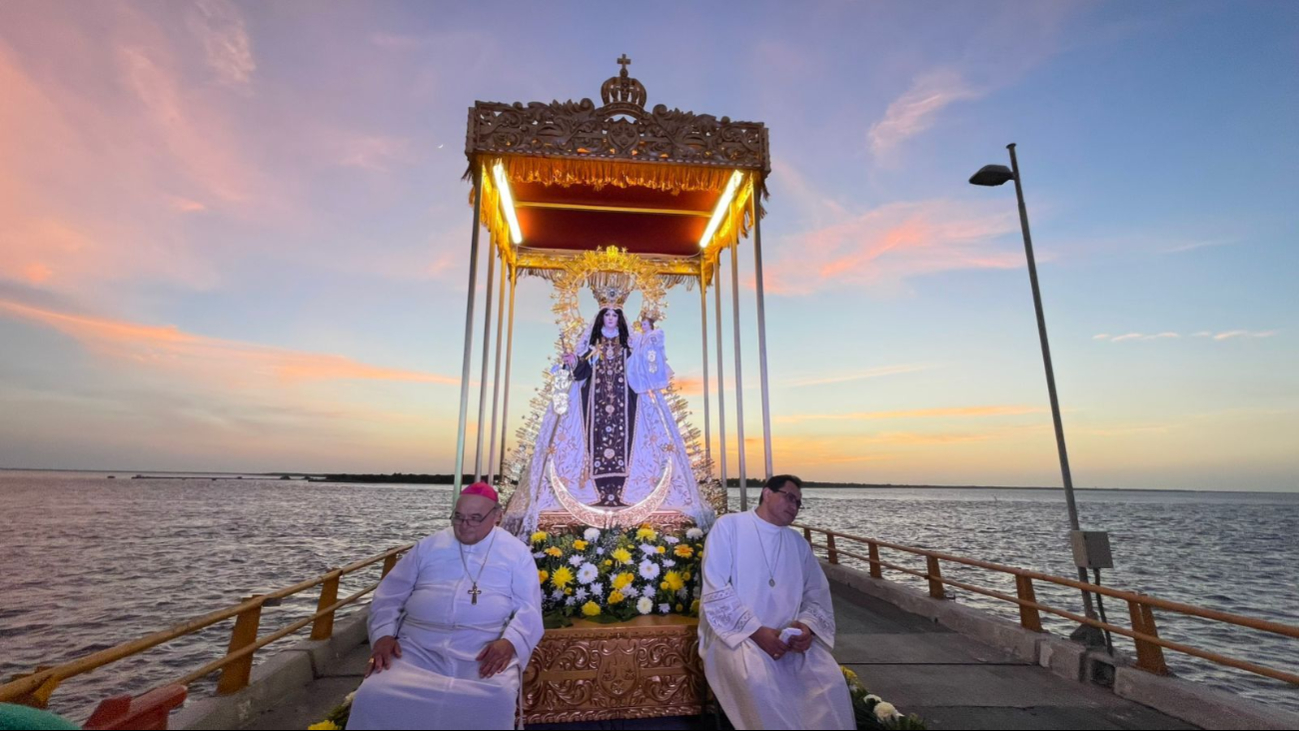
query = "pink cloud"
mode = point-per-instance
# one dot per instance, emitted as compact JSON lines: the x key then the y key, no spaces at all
{"x":198,"y":356}
{"x":915,"y":111}
{"x":220,"y":27}
{"x":883,"y":247}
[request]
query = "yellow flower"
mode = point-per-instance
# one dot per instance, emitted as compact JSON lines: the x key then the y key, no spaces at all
{"x":580,"y":545}
{"x":552,"y":551}
{"x":663,"y":549}
{"x":680,"y":607}
{"x":539,"y":536}
{"x":621,"y":581}
{"x":591,"y":609}
{"x":615,"y":597}
{"x":324,"y":726}
{"x":607,"y":563}
{"x":849,"y":676}
{"x":694,"y":607}
{"x":672,"y":581}
{"x":569,"y":591}
{"x":542,"y":575}
{"x":663,"y":585}
{"x":686,"y":576}
{"x":622,"y":556}
{"x":563,"y":577}
{"x":684,"y":551}
{"x":647,"y":534}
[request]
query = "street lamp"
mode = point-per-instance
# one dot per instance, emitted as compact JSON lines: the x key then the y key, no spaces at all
{"x":992,"y":176}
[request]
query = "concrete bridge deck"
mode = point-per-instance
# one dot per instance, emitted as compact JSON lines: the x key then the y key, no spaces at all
{"x":917,"y":664}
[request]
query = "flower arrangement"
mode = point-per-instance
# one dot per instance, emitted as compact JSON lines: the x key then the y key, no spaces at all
{"x":614,"y":576}
{"x":872,"y":712}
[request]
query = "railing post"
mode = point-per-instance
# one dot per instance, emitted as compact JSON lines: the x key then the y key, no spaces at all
{"x":388,"y":564}
{"x":1150,"y":657}
{"x":1029,"y":617}
{"x":829,"y":544}
{"x":323,"y":628}
{"x":877,"y":571}
{"x":807,"y":533}
{"x":234,"y":677}
{"x":935,"y":579}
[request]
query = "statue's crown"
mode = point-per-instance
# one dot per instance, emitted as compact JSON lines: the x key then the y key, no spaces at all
{"x":611,"y":289}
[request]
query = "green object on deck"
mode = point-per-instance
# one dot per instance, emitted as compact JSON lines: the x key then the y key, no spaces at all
{"x":23,"y":717}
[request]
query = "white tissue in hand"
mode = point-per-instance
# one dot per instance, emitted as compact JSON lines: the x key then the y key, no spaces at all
{"x":789,"y":633}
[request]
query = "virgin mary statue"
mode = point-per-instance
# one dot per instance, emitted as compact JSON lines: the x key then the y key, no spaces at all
{"x":608,"y":452}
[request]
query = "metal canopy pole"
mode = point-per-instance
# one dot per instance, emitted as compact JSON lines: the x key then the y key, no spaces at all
{"x":739,"y":376}
{"x":703,"y":331}
{"x":509,"y":357}
{"x":482,"y":391}
{"x":469,"y":330}
{"x":721,"y":378}
{"x":496,"y":378}
{"x":762,"y":331}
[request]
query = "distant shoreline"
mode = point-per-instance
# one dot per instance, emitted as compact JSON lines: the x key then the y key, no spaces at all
{"x":400,"y":478}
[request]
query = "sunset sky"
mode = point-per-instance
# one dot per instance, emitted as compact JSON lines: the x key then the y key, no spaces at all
{"x":234,"y":236}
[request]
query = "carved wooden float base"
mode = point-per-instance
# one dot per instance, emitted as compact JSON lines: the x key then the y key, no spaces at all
{"x":645,"y":668}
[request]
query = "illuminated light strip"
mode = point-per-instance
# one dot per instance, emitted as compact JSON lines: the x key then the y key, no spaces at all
{"x":722,"y":205}
{"x":507,"y":203}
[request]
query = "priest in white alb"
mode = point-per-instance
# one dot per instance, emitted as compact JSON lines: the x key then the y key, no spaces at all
{"x":452,"y":627}
{"x":767,"y":624}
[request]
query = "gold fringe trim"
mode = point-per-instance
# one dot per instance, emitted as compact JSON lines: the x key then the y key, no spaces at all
{"x":599,"y":173}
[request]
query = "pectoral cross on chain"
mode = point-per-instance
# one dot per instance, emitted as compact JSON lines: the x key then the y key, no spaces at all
{"x":473,"y":593}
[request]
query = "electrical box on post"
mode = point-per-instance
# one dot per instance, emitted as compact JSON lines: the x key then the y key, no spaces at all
{"x":1091,"y":549}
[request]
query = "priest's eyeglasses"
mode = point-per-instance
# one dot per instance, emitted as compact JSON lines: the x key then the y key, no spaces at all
{"x":789,"y":497}
{"x":474,"y":520}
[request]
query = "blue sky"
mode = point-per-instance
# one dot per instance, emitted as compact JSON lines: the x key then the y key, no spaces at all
{"x":234,"y":236}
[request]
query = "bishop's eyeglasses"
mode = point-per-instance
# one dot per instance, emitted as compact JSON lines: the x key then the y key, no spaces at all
{"x":473,"y":520}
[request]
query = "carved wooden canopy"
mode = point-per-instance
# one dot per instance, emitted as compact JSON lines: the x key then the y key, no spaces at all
{"x":581,"y":177}
{"x":619,"y":129}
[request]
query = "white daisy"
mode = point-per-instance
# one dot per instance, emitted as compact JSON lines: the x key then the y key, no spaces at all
{"x":570,"y":601}
{"x":597,"y":589}
{"x":581,"y":594}
{"x":668,"y":563}
{"x":575,"y":560}
{"x":665,"y":608}
{"x":599,"y":551}
{"x":671,"y":540}
{"x":648,"y":550}
{"x":557,"y":594}
{"x":694,"y":534}
{"x":649,"y":570}
{"x":591,"y":534}
{"x":630,"y":591}
{"x":587,"y":573}
{"x":538,"y":554}
{"x":645,"y":605}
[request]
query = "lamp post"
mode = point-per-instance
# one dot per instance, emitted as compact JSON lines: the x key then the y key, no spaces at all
{"x":992,"y":176}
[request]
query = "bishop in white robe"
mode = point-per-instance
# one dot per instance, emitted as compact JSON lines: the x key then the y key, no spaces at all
{"x":453,"y":626}
{"x":762,"y":579}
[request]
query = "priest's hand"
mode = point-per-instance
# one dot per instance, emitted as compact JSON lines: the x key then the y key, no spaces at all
{"x":769,"y":640}
{"x":494,"y":658}
{"x":385,"y":649}
{"x":801,"y":643}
